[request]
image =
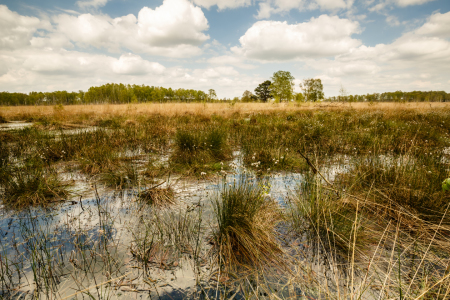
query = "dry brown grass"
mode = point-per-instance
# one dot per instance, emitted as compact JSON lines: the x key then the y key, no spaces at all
{"x":224,"y":109}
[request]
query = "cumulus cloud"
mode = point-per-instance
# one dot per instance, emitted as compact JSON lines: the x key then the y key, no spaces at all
{"x":277,"y":41}
{"x":438,"y":25}
{"x":419,"y":59}
{"x":173,"y":29}
{"x":174,"y":22}
{"x":16,"y":30}
{"x":131,"y":64}
{"x":223,"y":4}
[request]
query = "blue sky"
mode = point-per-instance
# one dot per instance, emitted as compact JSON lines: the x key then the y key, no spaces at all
{"x":231,"y":46}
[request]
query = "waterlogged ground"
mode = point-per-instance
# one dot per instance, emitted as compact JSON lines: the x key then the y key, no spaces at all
{"x":87,"y":245}
{"x":104,"y":243}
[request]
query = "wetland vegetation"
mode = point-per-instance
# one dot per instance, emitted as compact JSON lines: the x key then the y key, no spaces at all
{"x":218,"y":201}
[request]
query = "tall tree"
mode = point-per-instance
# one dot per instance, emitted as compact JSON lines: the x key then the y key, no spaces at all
{"x":247,"y":96}
{"x":312,"y":89}
{"x":282,"y":85}
{"x":212,"y":94}
{"x":263,"y":91}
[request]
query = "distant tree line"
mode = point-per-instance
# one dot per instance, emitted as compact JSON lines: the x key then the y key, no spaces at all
{"x":398,"y":96}
{"x":109,"y":93}
{"x":280,"y":88}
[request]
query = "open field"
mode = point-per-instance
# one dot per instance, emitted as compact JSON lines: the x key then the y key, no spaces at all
{"x":172,"y":109}
{"x":209,"y":201}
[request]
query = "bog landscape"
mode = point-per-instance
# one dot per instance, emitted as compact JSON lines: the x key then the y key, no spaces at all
{"x":290,"y":200}
{"x":225,"y":149}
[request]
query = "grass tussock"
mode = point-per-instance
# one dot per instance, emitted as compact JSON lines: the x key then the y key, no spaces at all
{"x":158,"y":196}
{"x":32,"y":186}
{"x":120,"y":177}
{"x":246,"y":221}
{"x":328,"y":218}
{"x":200,"y":149}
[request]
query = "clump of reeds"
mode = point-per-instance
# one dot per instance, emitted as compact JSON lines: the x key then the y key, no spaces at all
{"x":158,"y":196}
{"x":32,"y":185}
{"x":120,"y":177}
{"x":163,"y":237}
{"x":4,"y":161}
{"x":412,"y":182}
{"x":3,"y":120}
{"x":199,"y":149}
{"x":246,"y":221}
{"x":335,"y":220}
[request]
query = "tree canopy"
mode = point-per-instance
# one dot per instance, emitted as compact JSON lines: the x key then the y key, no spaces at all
{"x":247,"y":96}
{"x":264,"y":91}
{"x":282,"y":85}
{"x":312,"y":89}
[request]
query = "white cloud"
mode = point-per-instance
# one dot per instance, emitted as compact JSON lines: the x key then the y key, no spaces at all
{"x":174,"y":29}
{"x":320,"y":37}
{"x":16,"y":30}
{"x":418,"y":60}
{"x":174,"y":22}
{"x":131,"y":64}
{"x":91,"y":3}
{"x":269,"y":7}
{"x":223,"y":4}
{"x":438,"y":25}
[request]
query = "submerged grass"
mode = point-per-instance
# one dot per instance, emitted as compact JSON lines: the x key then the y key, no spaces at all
{"x":323,"y":214}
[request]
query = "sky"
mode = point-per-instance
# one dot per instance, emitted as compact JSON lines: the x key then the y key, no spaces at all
{"x":360,"y":46}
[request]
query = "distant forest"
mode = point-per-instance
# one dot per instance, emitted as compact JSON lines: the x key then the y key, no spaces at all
{"x":121,"y":93}
{"x":108,"y":93}
{"x":398,"y":96}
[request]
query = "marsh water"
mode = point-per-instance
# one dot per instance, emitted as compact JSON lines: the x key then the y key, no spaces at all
{"x":103,"y":243}
{"x":83,"y":247}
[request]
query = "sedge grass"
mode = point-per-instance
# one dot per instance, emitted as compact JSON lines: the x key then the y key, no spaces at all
{"x":31,"y":184}
{"x":246,"y":221}
{"x":158,"y":196}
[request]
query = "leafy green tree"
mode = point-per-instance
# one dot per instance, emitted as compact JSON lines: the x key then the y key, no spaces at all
{"x":299,"y":97}
{"x":312,"y":89}
{"x":212,"y":94}
{"x":248,"y":97}
{"x":282,"y":85}
{"x":264,"y":91}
